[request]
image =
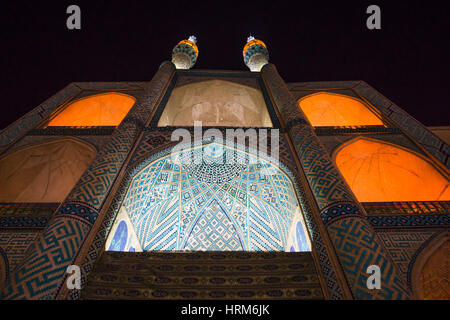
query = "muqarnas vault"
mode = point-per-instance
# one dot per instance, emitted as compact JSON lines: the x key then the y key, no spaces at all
{"x":88,"y":180}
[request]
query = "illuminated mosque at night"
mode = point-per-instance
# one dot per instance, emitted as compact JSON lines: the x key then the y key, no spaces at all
{"x":340,"y":179}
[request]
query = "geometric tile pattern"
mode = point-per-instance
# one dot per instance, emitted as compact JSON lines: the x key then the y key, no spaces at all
{"x":98,"y":178}
{"x":78,"y":211}
{"x":24,"y":222}
{"x":27,"y":209}
{"x":323,"y":177}
{"x":213,"y":231}
{"x":168,"y":201}
{"x":15,"y":245}
{"x":325,"y":181}
{"x":26,"y":216}
{"x":95,"y":183}
{"x":357,"y":246}
{"x":354,"y":240}
{"x":150,"y":147}
{"x":325,"y":264}
{"x":407,"y":208}
{"x":140,"y":112}
{"x":339,"y":210}
{"x":322,"y":183}
{"x":44,"y":266}
{"x":158,"y":139}
{"x":403,"y":246}
{"x":353,"y":237}
{"x":441,"y":220}
{"x":433,"y":144}
{"x":151,"y":142}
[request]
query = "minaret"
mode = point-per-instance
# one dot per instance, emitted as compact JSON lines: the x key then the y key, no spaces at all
{"x":255,"y":54}
{"x":185,"y":53}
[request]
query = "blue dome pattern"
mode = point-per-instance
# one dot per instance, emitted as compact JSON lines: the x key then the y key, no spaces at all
{"x":248,"y":206}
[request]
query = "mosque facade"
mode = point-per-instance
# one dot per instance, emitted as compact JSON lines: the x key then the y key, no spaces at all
{"x":213,"y":184}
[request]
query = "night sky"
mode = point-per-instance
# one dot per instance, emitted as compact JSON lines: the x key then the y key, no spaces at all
{"x":407,"y":60}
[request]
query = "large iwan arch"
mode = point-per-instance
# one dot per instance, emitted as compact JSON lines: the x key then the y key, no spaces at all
{"x":378,"y":171}
{"x":172,"y":206}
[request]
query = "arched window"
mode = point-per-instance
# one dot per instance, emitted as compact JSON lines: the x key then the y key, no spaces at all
{"x":45,"y":172}
{"x":106,"y":109}
{"x":173,"y":206}
{"x":377,"y":171}
{"x":334,"y":110}
{"x":216,"y":103}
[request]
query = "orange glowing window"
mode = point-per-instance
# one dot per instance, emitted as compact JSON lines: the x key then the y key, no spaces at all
{"x":330,"y":109}
{"x":380,"y":172}
{"x":106,"y":109}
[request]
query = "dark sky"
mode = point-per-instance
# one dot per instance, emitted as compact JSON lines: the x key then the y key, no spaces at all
{"x":407,"y":60}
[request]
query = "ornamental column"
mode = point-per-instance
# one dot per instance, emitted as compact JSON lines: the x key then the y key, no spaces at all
{"x":42,"y":273}
{"x":354,"y":240}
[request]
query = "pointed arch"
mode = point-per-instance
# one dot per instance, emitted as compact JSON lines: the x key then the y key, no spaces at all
{"x":105,"y":109}
{"x":174,"y":207}
{"x":335,"y":110}
{"x":44,"y":172}
{"x":378,"y":171}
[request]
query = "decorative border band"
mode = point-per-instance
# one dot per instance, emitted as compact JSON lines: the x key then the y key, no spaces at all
{"x":72,"y":131}
{"x":408,"y":207}
{"x":79,"y":210}
{"x":410,"y":220}
{"x":336,"y":211}
{"x":355,"y":130}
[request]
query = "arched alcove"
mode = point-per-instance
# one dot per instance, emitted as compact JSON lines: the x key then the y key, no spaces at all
{"x":216,"y":103}
{"x":331,"y":109}
{"x":214,"y":205}
{"x":44,"y":172}
{"x":105,"y":109}
{"x":4,"y":267}
{"x":378,"y":171}
{"x":431,"y":270}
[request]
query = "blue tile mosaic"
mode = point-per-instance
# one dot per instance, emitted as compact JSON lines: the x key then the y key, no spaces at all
{"x":230,"y":200}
